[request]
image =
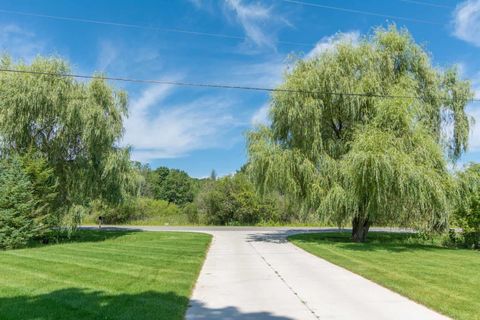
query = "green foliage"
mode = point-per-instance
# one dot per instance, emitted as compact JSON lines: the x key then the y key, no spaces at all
{"x":362,"y":158}
{"x":27,"y":199}
{"x":233,"y":200}
{"x":135,"y":208}
{"x":172,"y":185}
{"x":467,"y":213}
{"x":75,"y":126}
{"x":18,"y":219}
{"x":145,"y":188}
{"x":44,"y":185}
{"x":190,"y":210}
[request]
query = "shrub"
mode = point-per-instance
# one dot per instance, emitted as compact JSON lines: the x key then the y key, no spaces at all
{"x":133,"y":209}
{"x":44,"y":185}
{"x":191,"y":212}
{"x":232,"y":201}
{"x":17,"y":206}
{"x":467,"y":213}
{"x":27,"y":199}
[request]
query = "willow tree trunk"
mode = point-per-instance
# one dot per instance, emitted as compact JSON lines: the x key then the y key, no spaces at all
{"x":360,"y":226}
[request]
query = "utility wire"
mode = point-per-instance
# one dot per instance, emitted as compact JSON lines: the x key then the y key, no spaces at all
{"x":368,"y":13}
{"x":435,"y":5}
{"x":216,"y":86}
{"x":145,"y":27}
{"x":220,"y":35}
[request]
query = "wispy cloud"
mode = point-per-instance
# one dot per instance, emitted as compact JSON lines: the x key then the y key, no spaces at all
{"x":252,"y":18}
{"x":107,"y":56}
{"x":121,"y":58}
{"x":329,"y":42}
{"x":175,"y":130}
{"x":466,"y":21}
{"x":474,"y":141}
{"x":20,"y":43}
{"x":259,"y":22}
{"x":260,"y":117}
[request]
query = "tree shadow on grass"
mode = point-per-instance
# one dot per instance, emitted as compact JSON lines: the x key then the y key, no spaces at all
{"x":82,"y":235}
{"x":77,"y":303}
{"x":376,"y":241}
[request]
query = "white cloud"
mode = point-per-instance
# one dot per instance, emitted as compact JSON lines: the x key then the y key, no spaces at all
{"x":329,"y":42}
{"x":466,"y":21}
{"x":251,"y":17}
{"x":260,"y":117}
{"x":474,"y":141}
{"x":20,"y":43}
{"x":175,"y":130}
{"x":257,"y":21}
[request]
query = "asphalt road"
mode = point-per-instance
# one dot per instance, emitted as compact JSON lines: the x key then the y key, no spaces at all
{"x":254,"y":273}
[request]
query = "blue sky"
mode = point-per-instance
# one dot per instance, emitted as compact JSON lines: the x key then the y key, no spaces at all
{"x":197,"y":129}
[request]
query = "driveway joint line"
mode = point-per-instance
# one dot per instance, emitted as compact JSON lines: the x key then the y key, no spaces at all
{"x":285,"y":282}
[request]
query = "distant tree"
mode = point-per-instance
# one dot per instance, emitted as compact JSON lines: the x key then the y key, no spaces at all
{"x":233,"y":200}
{"x":361,"y":158}
{"x":145,"y":179}
{"x":177,"y":187}
{"x":172,"y":185}
{"x":243,"y":168}
{"x":213,"y":175}
{"x":76,"y":126}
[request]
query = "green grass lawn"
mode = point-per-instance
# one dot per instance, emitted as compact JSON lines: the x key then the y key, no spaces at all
{"x":103,"y":275}
{"x":446,"y":280}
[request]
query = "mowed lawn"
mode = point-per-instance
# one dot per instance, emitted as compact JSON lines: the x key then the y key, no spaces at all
{"x":446,"y":280}
{"x":103,"y":275}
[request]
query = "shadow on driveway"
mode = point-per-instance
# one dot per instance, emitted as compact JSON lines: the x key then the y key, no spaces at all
{"x":281,"y":235}
{"x":81,"y":303}
{"x":200,"y":312}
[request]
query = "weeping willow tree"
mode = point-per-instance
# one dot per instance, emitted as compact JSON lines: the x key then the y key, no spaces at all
{"x":75,"y":126}
{"x":377,"y":156}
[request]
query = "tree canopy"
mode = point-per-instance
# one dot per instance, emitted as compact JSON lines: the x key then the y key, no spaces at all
{"x":76,"y":126}
{"x":362,"y":132}
{"x":172,"y":185}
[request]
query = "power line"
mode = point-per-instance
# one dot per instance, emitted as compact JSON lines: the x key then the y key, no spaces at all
{"x":221,"y":35}
{"x":145,"y":27}
{"x":368,"y":13}
{"x":428,"y":4}
{"x":216,"y":85}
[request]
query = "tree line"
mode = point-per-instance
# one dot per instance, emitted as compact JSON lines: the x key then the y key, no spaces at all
{"x":361,"y":134}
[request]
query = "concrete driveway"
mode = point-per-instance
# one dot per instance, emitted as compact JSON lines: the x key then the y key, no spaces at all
{"x":255,"y":273}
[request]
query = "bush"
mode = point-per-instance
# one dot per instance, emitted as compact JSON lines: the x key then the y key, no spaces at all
{"x":191,"y":212}
{"x":233,"y":201}
{"x":133,"y":209}
{"x":17,"y":206}
{"x":27,"y":200}
{"x":467,"y":213}
{"x":48,"y":207}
